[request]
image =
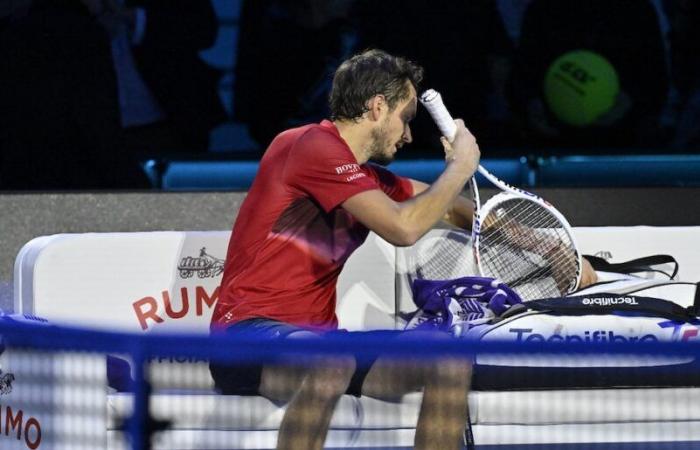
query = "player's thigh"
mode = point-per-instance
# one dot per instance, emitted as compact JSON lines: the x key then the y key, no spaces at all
{"x":281,"y":379}
{"x":392,"y":377}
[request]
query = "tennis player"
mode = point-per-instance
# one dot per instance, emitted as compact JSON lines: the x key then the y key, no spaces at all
{"x":314,"y":200}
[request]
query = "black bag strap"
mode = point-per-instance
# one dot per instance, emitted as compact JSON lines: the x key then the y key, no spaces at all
{"x":644,"y":264}
{"x":695,"y":309}
{"x":603,"y":303}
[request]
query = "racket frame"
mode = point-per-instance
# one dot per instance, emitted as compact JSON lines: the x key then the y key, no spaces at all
{"x":432,"y":100}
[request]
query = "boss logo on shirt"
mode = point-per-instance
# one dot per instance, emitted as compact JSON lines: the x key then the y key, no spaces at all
{"x":347,"y":168}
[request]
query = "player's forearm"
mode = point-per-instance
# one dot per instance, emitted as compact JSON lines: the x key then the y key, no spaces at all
{"x":461,"y":214}
{"x":422,"y":212}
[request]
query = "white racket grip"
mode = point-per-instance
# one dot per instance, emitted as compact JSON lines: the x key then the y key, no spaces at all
{"x":432,"y":100}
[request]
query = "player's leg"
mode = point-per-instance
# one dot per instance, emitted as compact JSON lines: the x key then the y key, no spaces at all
{"x":310,"y":385}
{"x":444,"y":411}
{"x":445,"y":384}
{"x":319,"y":384}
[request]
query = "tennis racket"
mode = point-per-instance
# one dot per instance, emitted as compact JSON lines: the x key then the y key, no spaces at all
{"x":517,"y":237}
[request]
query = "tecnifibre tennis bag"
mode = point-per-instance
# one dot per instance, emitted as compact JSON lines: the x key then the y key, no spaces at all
{"x":635,"y":301}
{"x":595,"y":317}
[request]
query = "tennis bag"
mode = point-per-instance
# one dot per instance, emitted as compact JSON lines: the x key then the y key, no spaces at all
{"x":638,"y":303}
{"x":593,"y":318}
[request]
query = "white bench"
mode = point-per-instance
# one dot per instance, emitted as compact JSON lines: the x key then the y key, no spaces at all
{"x":162,"y":282}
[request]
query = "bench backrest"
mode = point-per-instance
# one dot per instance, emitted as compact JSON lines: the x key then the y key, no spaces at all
{"x":168,"y":281}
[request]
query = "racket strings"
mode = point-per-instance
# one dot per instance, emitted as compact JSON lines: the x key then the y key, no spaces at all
{"x":528,"y":248}
{"x":534,"y":263}
{"x":443,"y":258}
{"x":540,"y":281}
{"x":549,"y":235}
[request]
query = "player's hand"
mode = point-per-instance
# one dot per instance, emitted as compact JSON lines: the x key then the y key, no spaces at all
{"x":588,"y":274}
{"x":463,"y":151}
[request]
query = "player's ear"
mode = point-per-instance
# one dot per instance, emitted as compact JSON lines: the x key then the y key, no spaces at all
{"x":375,"y":106}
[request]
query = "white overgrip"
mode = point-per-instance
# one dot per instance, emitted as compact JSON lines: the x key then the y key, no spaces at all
{"x":432,"y":100}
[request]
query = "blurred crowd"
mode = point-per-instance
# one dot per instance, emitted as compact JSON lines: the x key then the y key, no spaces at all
{"x":89,"y":87}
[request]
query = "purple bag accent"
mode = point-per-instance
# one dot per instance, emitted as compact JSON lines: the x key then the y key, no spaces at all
{"x":469,"y":301}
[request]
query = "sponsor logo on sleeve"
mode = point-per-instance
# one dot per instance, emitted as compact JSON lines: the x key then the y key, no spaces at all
{"x":352,"y":170}
{"x":347,"y":168}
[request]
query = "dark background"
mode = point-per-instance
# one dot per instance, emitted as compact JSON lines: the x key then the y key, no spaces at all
{"x":228,"y":75}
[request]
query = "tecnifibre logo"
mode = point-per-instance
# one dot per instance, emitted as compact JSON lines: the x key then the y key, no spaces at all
{"x":527,"y":335}
{"x":607,"y":301}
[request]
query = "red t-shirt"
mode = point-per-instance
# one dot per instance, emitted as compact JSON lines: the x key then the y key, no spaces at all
{"x":292,"y":238}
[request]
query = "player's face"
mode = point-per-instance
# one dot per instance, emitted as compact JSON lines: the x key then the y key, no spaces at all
{"x":394,"y":130}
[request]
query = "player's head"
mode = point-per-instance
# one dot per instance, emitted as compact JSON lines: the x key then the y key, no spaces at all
{"x":368,"y":74}
{"x":381,"y":86}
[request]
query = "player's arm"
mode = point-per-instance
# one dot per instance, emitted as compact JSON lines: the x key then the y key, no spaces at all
{"x":403,"y":223}
{"x":460,"y":214}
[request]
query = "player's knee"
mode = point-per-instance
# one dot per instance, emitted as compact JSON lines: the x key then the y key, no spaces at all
{"x":452,"y":372}
{"x":331,"y":379}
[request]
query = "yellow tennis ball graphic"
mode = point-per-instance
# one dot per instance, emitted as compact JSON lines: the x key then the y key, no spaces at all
{"x":580,"y":86}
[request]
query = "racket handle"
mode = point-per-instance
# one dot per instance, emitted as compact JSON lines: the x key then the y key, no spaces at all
{"x":432,"y":100}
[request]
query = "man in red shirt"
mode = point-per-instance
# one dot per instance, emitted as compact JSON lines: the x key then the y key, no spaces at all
{"x":313,"y":202}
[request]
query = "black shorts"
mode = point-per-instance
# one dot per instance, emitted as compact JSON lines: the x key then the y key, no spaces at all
{"x":244,"y":378}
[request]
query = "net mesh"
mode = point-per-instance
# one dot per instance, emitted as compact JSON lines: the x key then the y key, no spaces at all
{"x":526,"y":246}
{"x":60,"y":388}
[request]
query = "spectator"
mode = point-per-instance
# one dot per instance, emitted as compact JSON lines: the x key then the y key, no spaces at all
{"x":287,"y":53}
{"x":99,"y":83}
{"x":11,"y":10}
{"x":61,"y":125}
{"x":463,"y":46}
{"x":168,"y":96}
{"x":685,"y":70}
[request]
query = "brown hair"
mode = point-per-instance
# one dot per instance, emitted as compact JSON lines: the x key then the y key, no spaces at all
{"x":367,"y":74}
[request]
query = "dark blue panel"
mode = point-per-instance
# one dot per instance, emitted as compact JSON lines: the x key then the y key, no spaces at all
{"x":513,"y":171}
{"x":632,"y":171}
{"x":204,"y":175}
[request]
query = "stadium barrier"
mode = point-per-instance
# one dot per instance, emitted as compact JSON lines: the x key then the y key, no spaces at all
{"x":581,"y":171}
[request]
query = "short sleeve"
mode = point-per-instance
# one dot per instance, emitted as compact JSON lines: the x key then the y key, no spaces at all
{"x":321,"y":165}
{"x":397,"y":187}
